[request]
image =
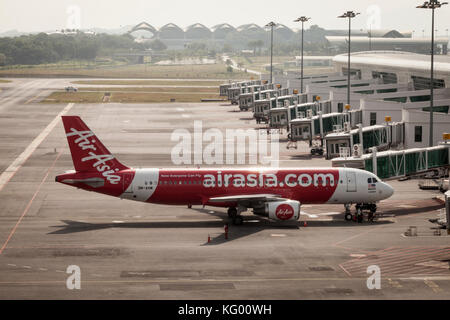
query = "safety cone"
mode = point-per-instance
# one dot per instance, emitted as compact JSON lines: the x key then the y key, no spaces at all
{"x":209,"y":238}
{"x":305,"y":224}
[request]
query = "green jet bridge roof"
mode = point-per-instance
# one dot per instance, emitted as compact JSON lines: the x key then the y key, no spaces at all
{"x":395,"y":164}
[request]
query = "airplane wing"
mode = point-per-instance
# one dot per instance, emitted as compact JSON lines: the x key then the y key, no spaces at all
{"x":247,"y":198}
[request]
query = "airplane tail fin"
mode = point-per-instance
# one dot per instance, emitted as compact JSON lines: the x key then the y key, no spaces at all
{"x":88,"y":153}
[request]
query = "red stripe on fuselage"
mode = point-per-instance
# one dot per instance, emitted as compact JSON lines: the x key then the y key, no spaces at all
{"x":188,"y":186}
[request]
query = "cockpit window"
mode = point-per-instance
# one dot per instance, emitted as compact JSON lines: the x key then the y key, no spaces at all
{"x":369,"y":180}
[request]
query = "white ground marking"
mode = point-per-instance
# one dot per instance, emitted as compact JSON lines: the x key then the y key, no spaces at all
{"x":356,"y":255}
{"x":19,"y":161}
{"x":117,"y":221}
{"x":43,"y":269}
{"x":11,"y":265}
{"x":309,"y":215}
{"x":27,"y":267}
{"x":185,"y":116}
{"x":180,"y":109}
{"x":277,"y":235}
{"x":329,"y":213}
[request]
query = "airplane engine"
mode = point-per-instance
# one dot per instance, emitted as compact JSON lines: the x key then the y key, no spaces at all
{"x":288,"y":210}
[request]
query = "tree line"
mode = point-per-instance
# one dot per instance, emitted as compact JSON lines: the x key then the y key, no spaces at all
{"x":43,"y":48}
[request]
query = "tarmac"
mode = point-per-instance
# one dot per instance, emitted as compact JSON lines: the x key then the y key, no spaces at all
{"x":132,"y":250}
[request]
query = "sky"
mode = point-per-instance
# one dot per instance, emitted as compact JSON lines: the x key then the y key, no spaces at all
{"x":46,"y":15}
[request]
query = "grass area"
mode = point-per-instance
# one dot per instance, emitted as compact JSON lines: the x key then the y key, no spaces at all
{"x":77,"y":97}
{"x":173,"y":82}
{"x":212,"y":71}
{"x":129,"y":97}
{"x":197,"y":90}
{"x":159,"y":97}
{"x":4,"y":81}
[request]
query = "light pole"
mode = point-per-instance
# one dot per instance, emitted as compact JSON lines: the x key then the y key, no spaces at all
{"x":271,"y":24}
{"x":432,"y":4}
{"x":302,"y":19}
{"x":349,"y":15}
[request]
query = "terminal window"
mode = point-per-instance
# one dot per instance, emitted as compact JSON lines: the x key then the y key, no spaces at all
{"x":373,"y":118}
{"x":421,"y":83}
{"x":418,"y":134}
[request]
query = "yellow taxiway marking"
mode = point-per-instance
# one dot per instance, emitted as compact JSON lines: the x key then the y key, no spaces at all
{"x":394,"y":283}
{"x":433,"y":286}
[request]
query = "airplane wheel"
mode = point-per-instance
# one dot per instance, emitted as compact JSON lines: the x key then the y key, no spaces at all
{"x":232,"y":212}
{"x":238,"y":220}
{"x":190,"y":206}
{"x":348,"y":217}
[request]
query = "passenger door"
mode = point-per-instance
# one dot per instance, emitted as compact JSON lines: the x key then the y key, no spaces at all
{"x":351,"y":181}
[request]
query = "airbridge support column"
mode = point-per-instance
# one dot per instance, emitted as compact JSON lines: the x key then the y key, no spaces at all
{"x":447,"y":210}
{"x":374,"y":161}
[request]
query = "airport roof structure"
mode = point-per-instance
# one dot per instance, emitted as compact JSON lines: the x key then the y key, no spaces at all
{"x":197,"y":26}
{"x":284,"y":31}
{"x":171,"y":31}
{"x":223,"y":26}
{"x":386,"y":33}
{"x":397,"y":60}
{"x":197,"y":31}
{"x":144,"y":26}
{"x":249,"y":27}
{"x":170,"y":26}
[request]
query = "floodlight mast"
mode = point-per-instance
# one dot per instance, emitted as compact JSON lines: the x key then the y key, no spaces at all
{"x":349,"y":15}
{"x":302,"y":19}
{"x":432,"y":4}
{"x":271,"y":24}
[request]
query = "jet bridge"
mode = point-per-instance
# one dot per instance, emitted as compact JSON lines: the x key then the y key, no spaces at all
{"x":343,"y":141}
{"x":397,"y":164}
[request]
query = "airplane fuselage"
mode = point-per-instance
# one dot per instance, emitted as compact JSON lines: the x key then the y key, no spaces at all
{"x":196,"y":186}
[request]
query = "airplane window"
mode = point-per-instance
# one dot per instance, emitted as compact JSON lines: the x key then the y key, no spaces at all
{"x":369,"y":180}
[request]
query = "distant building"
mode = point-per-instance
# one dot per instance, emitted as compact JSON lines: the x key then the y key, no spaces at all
{"x":198,"y":31}
{"x":396,"y":67}
{"x":417,"y":45}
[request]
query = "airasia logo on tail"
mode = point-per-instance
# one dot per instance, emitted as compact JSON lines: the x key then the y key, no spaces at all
{"x":284,"y":212}
{"x":101,"y":160}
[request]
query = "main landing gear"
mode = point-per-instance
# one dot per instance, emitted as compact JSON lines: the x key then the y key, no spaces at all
{"x":359,"y":215}
{"x":235,"y":217}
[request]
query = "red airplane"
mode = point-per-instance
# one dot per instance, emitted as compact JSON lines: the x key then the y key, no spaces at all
{"x":273,"y":193}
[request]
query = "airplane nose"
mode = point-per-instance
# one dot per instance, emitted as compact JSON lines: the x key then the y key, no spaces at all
{"x":389,"y":191}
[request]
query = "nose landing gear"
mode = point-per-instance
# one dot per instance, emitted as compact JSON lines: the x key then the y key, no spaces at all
{"x":359,"y":214}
